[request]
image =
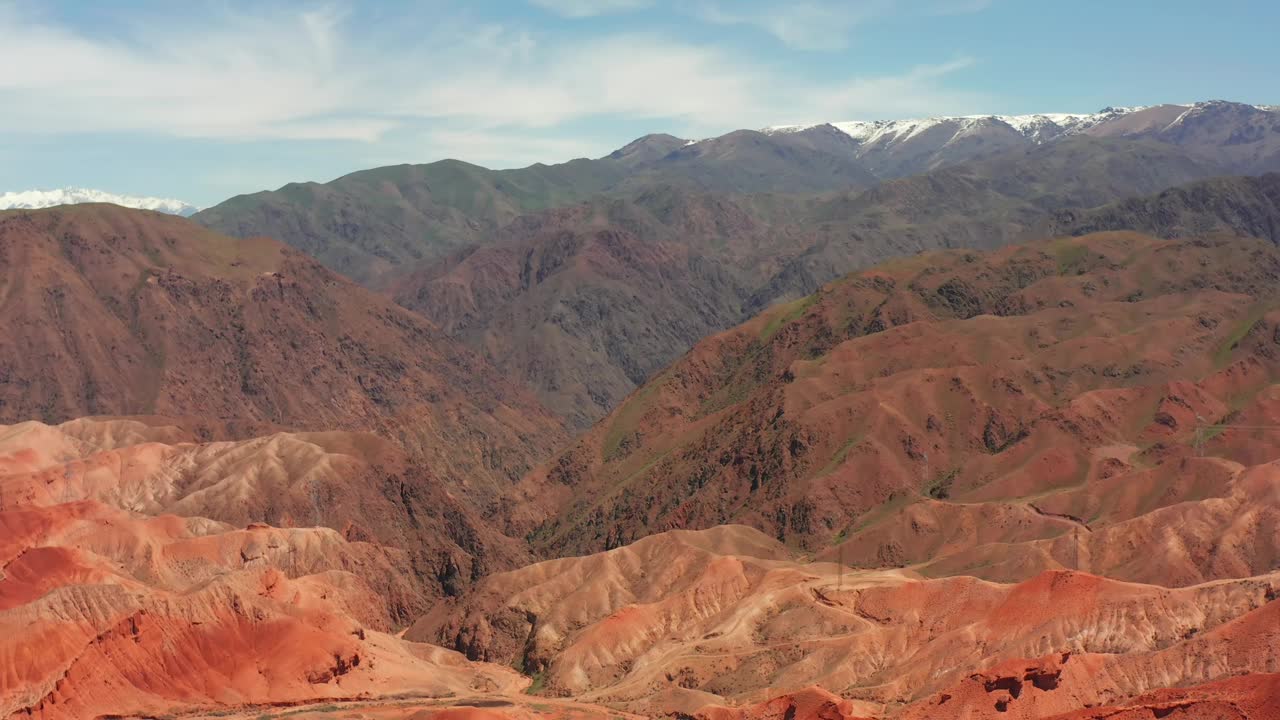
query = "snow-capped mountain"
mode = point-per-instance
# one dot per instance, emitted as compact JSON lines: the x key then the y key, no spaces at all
{"x":895,"y":148}
{"x":33,"y":199}
{"x":1037,"y":128}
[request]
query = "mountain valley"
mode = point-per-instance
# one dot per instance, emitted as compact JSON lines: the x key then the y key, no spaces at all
{"x":967,"y":417}
{"x":733,"y":245}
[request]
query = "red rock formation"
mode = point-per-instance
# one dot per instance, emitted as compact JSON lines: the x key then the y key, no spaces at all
{"x":107,"y":613}
{"x":1000,"y":415}
{"x":808,"y":704}
{"x":365,"y":487}
{"x":681,"y":620}
{"x":128,"y":312}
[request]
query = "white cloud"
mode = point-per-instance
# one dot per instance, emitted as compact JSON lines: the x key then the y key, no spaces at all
{"x":634,"y":76}
{"x":804,"y":25}
{"x":915,"y":93}
{"x":240,"y":77}
{"x":685,"y":89}
{"x":323,"y":75}
{"x":590,"y":8}
{"x":822,"y":24}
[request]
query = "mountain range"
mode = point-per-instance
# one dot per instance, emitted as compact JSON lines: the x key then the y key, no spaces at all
{"x":967,"y":417}
{"x":721,"y":228}
{"x":34,"y":199}
{"x":369,"y":224}
{"x":893,"y":148}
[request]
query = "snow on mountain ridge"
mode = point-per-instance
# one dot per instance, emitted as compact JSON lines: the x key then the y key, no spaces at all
{"x":35,"y":199}
{"x":1037,"y":127}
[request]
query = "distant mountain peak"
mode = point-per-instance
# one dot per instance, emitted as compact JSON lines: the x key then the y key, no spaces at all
{"x":35,"y":199}
{"x":1037,"y":127}
{"x":647,"y":148}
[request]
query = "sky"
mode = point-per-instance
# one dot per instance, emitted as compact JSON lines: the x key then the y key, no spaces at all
{"x":202,"y":100}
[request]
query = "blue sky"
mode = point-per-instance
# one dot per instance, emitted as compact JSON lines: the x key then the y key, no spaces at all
{"x":204,"y":100}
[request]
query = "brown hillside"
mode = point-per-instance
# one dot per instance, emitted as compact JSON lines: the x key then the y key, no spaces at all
{"x":110,"y":311}
{"x":934,"y":406}
{"x":1247,"y":206}
{"x":585,"y":303}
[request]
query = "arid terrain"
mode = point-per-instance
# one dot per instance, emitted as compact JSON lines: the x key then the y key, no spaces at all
{"x":581,"y":280}
{"x":987,"y":395}
{"x":966,"y":417}
{"x":123,"y":312}
{"x":1035,"y":482}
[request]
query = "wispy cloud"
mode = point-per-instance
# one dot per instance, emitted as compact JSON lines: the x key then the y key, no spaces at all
{"x":822,"y":24}
{"x":239,"y":76}
{"x":804,"y":25}
{"x":958,"y":7}
{"x":915,"y":93}
{"x":322,"y":75}
{"x":590,"y":8}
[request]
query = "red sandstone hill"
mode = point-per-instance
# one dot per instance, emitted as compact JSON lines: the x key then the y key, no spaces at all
{"x":996,"y":414}
{"x":710,"y":623}
{"x":279,"y":393}
{"x":359,"y":484}
{"x":122,"y":596}
{"x":107,"y":613}
{"x":1028,"y":483}
{"x":1035,"y":483}
{"x":108,"y":311}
